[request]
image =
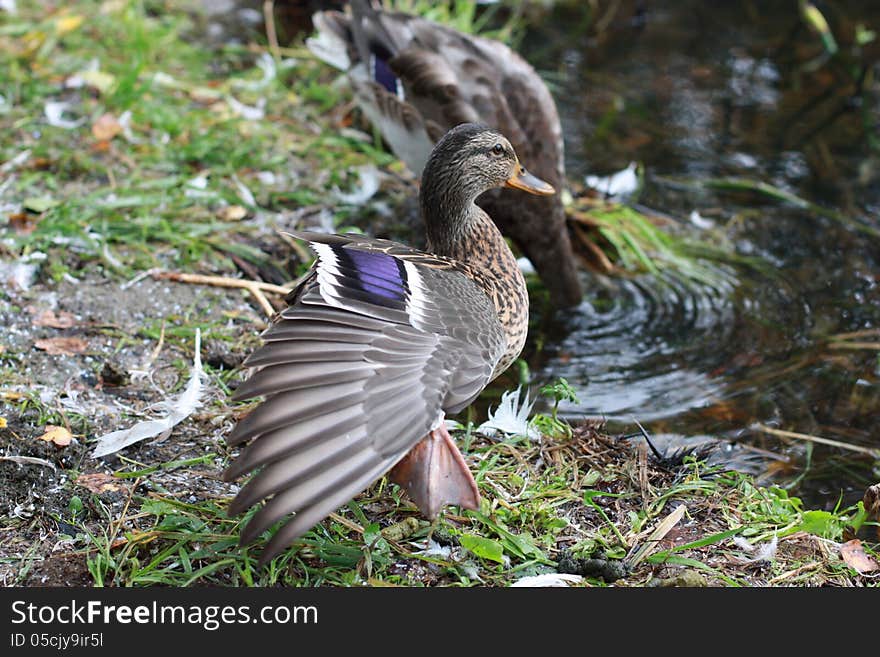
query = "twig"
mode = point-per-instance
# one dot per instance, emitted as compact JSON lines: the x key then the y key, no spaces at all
{"x":875,"y":453}
{"x":600,"y":260}
{"x":256,"y":288}
{"x":271,"y":34}
{"x":353,"y":526}
{"x":656,"y":536}
{"x":870,"y":346}
{"x":302,"y":252}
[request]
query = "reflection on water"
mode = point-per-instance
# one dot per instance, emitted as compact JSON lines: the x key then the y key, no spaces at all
{"x":696,"y":91}
{"x":637,"y":347}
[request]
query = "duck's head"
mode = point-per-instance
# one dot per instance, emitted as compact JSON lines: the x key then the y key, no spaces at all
{"x":471,"y":159}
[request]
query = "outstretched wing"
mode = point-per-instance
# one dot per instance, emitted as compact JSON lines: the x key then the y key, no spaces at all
{"x":376,"y":344}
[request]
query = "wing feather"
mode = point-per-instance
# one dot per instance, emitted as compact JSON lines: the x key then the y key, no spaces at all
{"x":353,"y":379}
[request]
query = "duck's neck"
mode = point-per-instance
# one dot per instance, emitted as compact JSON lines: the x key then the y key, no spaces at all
{"x":472,"y":238}
{"x":456,"y":227}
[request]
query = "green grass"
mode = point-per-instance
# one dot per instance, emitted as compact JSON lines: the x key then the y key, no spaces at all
{"x":532,"y":516}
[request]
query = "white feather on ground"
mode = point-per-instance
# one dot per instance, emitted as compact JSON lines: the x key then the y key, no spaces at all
{"x":178,"y":410}
{"x":548,"y":579}
{"x":54,"y":112}
{"x":510,"y":418}
{"x":765,"y":552}
{"x":368,"y":185}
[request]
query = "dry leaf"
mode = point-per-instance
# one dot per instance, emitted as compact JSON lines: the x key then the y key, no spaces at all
{"x":2,"y":422}
{"x":99,"y":482}
{"x":62,"y":346}
{"x":58,"y":435}
{"x":67,"y":24}
{"x":231,"y":213}
{"x":856,"y":558}
{"x":23,"y":223}
{"x":106,"y":127}
{"x":48,"y":318}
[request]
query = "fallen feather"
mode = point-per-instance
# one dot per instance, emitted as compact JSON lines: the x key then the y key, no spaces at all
{"x":178,"y":410}
{"x":267,"y":177}
{"x":548,"y":579}
{"x":700,"y":221}
{"x":244,"y":193}
{"x":266,"y":63}
{"x":525,"y":265}
{"x":368,"y":185}
{"x":16,"y":161}
{"x":54,"y":112}
{"x":20,"y":274}
{"x":510,"y":417}
{"x":125,"y":122}
{"x":765,"y":552}
{"x":256,"y":113}
{"x":199,"y":182}
{"x":330,"y":48}
{"x":28,"y":460}
{"x":434,"y":549}
{"x":621,"y":183}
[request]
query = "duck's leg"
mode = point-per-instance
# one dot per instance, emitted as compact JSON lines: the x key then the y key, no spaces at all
{"x":434,"y":474}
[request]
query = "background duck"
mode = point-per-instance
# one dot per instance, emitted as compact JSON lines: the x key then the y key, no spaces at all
{"x":378,"y":344}
{"x":414,"y":79}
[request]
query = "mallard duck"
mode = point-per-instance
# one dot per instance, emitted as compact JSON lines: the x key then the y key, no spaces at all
{"x":377,"y":344}
{"x":414,"y":79}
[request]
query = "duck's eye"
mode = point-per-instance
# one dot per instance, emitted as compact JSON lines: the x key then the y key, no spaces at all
{"x":498,"y":149}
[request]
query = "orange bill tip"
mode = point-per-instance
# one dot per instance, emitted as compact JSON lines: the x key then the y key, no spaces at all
{"x":522,"y":179}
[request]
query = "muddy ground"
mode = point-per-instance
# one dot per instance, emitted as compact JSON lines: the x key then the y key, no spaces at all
{"x":112,"y":383}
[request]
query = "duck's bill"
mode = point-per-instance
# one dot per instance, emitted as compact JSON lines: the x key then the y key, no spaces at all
{"x":525,"y":181}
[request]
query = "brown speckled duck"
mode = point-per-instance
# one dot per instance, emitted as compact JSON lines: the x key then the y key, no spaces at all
{"x":414,"y":79}
{"x":377,"y":344}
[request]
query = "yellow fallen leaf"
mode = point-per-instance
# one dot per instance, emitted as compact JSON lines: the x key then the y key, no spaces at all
{"x":67,"y":24}
{"x":100,"y":80}
{"x":58,"y":435}
{"x":2,"y":422}
{"x":231,"y":213}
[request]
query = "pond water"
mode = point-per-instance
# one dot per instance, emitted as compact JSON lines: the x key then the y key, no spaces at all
{"x":694,"y":92}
